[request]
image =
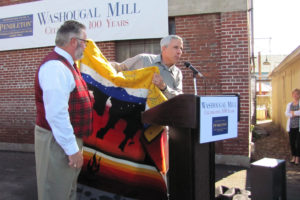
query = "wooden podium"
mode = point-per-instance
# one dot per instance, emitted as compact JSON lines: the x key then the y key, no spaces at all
{"x":191,"y":173}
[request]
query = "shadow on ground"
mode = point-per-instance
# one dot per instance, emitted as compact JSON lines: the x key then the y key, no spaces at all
{"x":273,"y":142}
{"x":18,"y":180}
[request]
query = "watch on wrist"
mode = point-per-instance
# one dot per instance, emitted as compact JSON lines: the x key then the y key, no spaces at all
{"x":164,"y":89}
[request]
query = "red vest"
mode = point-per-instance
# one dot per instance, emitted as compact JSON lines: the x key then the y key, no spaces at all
{"x":80,"y":102}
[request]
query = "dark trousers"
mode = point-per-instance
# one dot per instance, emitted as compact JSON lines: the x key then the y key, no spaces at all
{"x":294,"y":135}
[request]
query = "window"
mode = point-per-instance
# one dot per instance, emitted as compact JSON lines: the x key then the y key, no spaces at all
{"x":129,"y":48}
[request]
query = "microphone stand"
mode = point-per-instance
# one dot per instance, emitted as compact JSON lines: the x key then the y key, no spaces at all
{"x":195,"y":73}
{"x":195,"y":82}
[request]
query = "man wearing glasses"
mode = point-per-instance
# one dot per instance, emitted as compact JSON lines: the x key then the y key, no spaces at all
{"x":64,"y":115}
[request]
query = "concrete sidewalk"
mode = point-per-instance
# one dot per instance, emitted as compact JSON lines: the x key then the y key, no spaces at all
{"x":18,"y":180}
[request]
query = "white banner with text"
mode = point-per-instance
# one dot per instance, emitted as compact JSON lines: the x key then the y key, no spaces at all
{"x":31,"y":25}
{"x":218,"y":118}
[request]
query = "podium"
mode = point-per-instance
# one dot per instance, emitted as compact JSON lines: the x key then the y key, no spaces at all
{"x":191,"y":173}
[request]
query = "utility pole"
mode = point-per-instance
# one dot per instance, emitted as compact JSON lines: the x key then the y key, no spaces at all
{"x":259,"y":73}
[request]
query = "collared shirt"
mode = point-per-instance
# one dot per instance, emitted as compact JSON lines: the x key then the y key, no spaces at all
{"x":172,"y":76}
{"x":57,"y":82}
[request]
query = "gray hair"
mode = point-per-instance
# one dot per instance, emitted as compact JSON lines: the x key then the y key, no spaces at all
{"x":68,"y":30}
{"x":166,"y":40}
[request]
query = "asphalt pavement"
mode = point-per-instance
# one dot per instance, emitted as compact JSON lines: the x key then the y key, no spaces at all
{"x":18,"y":180}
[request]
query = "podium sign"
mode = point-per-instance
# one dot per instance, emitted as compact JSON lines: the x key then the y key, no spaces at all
{"x":192,"y":165}
{"x":218,"y":118}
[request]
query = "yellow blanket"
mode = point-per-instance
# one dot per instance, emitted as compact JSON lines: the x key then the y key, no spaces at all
{"x":141,"y":78}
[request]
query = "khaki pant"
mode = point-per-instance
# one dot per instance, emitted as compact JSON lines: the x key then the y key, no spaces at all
{"x":56,"y":180}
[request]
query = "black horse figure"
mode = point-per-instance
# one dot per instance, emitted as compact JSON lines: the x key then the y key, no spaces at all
{"x":128,"y":111}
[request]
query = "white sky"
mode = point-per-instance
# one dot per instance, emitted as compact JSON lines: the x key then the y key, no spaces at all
{"x":278,"y":20}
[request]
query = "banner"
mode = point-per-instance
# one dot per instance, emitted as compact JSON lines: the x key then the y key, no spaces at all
{"x":34,"y":24}
{"x":123,"y":156}
{"x":218,"y":118}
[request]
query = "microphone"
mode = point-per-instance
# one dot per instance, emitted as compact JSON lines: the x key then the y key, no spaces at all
{"x":195,"y":71}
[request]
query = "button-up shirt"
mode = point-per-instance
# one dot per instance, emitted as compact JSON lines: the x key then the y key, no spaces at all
{"x":172,"y":76}
{"x":57,"y":82}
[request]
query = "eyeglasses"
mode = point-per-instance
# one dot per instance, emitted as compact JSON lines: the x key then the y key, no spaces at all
{"x":85,"y":41}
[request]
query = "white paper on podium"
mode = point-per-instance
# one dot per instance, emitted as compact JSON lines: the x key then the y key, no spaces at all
{"x":218,"y":118}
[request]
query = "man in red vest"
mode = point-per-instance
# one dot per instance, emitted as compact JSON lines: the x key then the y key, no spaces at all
{"x":64,"y":115}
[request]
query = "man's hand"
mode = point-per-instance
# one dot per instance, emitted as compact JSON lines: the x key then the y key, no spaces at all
{"x":76,"y":160}
{"x":158,"y":81}
{"x":119,"y":67}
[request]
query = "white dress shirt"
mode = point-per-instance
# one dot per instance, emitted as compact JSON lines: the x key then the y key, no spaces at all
{"x":57,"y":82}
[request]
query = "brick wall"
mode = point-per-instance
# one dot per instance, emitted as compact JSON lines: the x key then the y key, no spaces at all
{"x":202,"y":50}
{"x":216,"y":44}
{"x":235,"y":75}
{"x":17,"y":105}
{"x":108,"y":50}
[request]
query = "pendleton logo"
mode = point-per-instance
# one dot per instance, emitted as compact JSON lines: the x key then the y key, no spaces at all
{"x":16,"y":26}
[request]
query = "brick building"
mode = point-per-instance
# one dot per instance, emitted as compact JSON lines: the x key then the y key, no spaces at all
{"x":216,"y":41}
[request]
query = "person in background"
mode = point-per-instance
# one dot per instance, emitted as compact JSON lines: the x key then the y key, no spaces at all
{"x":64,"y":115}
{"x":169,"y":81}
{"x":293,"y":126}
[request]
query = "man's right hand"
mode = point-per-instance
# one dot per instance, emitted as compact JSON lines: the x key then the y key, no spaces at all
{"x":76,"y":160}
{"x":119,"y":66}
